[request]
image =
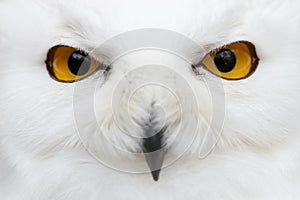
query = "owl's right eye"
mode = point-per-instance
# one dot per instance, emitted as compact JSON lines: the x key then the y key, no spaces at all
{"x":234,"y":61}
{"x":68,"y":64}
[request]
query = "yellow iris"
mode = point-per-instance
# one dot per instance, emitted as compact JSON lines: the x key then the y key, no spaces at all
{"x":67,"y":64}
{"x":234,"y":61}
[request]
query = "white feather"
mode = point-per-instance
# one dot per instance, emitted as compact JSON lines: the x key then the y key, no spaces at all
{"x":50,"y":144}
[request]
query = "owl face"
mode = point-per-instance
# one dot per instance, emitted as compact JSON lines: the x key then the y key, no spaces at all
{"x":129,"y":80}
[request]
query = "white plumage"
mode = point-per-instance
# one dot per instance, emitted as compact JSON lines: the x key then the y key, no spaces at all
{"x":50,"y":144}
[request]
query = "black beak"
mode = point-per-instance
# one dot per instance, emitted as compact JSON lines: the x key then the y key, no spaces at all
{"x":154,"y":153}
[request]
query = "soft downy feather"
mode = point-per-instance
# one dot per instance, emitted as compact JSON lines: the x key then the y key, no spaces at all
{"x":47,"y":151}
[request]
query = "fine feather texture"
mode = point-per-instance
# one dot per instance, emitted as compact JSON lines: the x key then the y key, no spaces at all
{"x":225,"y":139}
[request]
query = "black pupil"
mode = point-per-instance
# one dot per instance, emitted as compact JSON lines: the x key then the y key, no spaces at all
{"x":225,"y":60}
{"x":79,"y":63}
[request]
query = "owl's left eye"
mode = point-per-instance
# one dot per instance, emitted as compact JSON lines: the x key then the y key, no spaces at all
{"x":68,"y":64}
{"x":235,"y":61}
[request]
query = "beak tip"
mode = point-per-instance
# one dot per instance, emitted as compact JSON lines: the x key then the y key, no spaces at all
{"x":154,"y":154}
{"x":155,"y":175}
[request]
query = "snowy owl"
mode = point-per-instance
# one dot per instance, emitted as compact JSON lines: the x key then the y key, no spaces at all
{"x":195,"y":99}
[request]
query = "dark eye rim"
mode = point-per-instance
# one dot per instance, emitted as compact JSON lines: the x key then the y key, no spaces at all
{"x":254,"y":64}
{"x":49,"y":64}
